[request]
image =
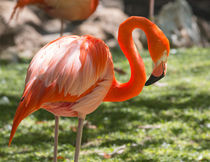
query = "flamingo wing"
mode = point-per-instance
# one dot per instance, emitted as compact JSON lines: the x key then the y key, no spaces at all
{"x":70,"y":9}
{"x":22,"y":3}
{"x":67,"y":77}
{"x":66,"y":9}
{"x":70,"y":68}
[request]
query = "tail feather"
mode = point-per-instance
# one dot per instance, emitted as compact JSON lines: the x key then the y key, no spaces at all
{"x":14,"y":12}
{"x":34,"y":95}
{"x":22,"y":112}
{"x":22,"y":3}
{"x":26,"y":106}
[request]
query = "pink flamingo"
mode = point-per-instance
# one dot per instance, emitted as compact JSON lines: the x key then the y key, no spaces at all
{"x":73,"y":75}
{"x":64,"y":9}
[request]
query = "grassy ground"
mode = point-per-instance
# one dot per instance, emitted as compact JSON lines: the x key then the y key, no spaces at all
{"x":167,"y":122}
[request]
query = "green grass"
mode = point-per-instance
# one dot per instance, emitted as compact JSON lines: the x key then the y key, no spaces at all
{"x":167,"y":122}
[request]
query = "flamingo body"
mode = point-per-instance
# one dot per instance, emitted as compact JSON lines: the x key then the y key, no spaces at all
{"x":68,"y":77}
{"x":65,"y":9}
{"x":72,"y":75}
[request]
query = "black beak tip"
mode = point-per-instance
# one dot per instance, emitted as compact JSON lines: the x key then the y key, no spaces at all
{"x":152,"y":79}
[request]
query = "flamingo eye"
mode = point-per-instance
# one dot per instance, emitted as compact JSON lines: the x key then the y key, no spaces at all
{"x":163,"y":58}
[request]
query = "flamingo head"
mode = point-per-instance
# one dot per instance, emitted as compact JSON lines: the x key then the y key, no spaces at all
{"x":159,"y":48}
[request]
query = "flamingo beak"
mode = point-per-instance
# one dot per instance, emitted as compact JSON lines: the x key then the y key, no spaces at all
{"x":158,"y":73}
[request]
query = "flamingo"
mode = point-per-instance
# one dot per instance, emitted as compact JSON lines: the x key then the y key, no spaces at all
{"x":72,"y":75}
{"x":71,"y":10}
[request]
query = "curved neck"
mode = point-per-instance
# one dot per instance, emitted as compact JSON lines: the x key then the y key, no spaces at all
{"x":125,"y":91}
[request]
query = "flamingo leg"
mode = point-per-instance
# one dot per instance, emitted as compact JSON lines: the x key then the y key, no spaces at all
{"x":57,"y":117}
{"x":61,"y":30}
{"x":151,"y":10}
{"x":56,"y":138}
{"x":79,"y":138}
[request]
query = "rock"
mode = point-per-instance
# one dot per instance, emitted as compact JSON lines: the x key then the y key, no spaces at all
{"x":28,"y":38}
{"x":136,"y":7}
{"x":180,"y":27}
{"x":113,"y":4}
{"x":2,"y":25}
{"x":6,"y":8}
{"x":52,"y":26}
{"x":104,"y":24}
{"x":50,"y":37}
{"x":9,"y":55}
{"x":201,"y":8}
{"x":141,"y":8}
{"x":4,"y":100}
{"x":205,"y":31}
{"x":20,"y":33}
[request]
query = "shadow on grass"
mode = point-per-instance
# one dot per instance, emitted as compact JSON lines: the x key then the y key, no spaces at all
{"x":8,"y":109}
{"x":136,"y":148}
{"x":117,"y":142}
{"x":116,"y":117}
{"x":19,"y":61}
{"x":111,"y":118}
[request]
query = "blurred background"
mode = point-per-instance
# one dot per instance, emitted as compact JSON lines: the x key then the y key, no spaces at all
{"x":185,"y":22}
{"x":169,"y":121}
